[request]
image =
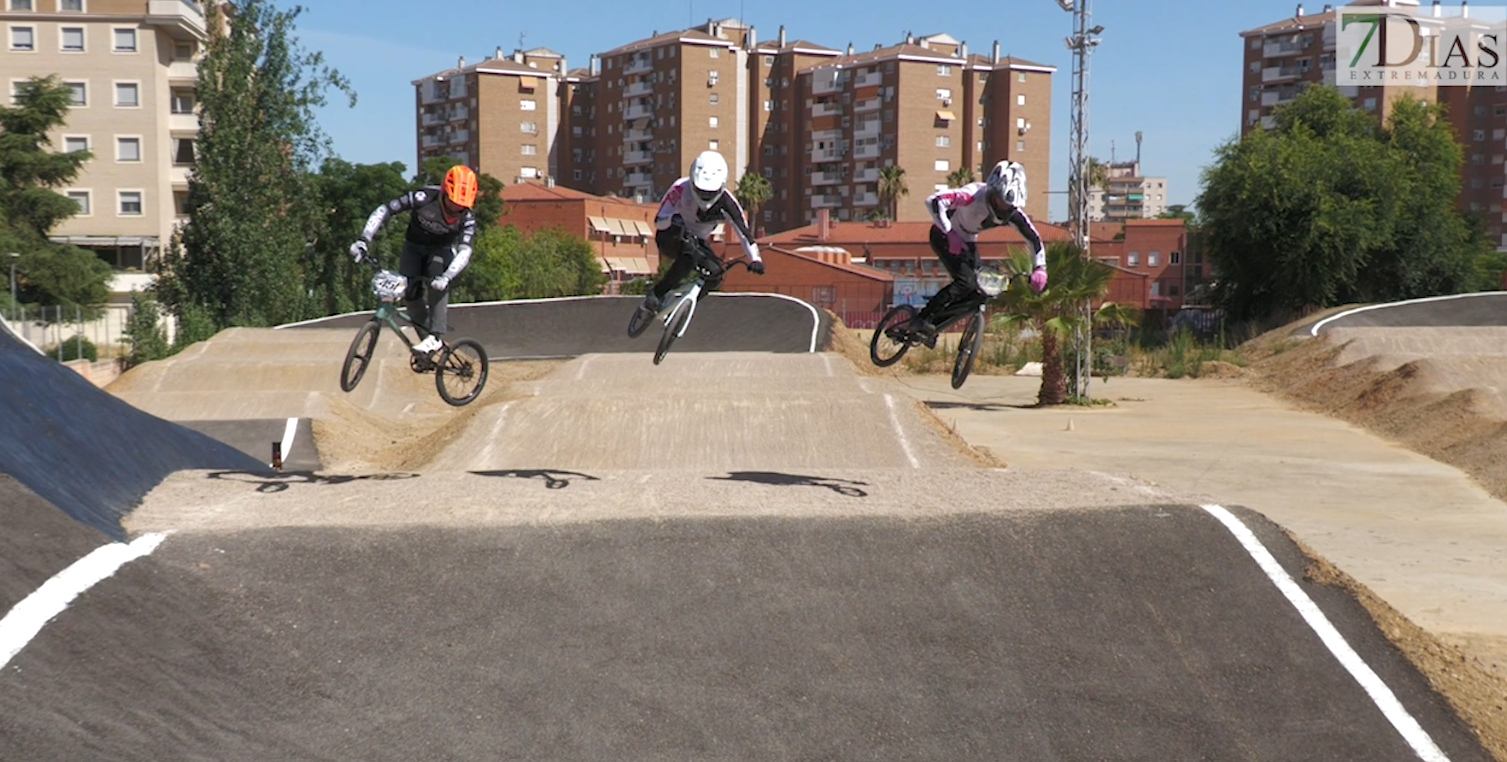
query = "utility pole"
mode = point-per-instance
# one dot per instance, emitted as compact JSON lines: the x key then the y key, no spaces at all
{"x":1082,"y":43}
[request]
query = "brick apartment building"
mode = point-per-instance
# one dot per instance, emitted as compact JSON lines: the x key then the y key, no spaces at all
{"x":1127,"y":195}
{"x":1156,"y":250}
{"x":500,"y":116}
{"x":132,"y":67}
{"x":1283,"y":57}
{"x":818,"y":123}
{"x":621,"y":232}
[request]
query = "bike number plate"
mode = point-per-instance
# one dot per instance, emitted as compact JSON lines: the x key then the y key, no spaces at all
{"x":389,"y":286}
{"x":993,"y":283}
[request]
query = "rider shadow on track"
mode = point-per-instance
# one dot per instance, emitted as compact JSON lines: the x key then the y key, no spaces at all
{"x":273,"y":481}
{"x":552,"y":479}
{"x":979,"y":406}
{"x":840,"y":486}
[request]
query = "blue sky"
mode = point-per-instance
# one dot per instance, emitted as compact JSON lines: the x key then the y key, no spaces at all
{"x":1170,"y":69}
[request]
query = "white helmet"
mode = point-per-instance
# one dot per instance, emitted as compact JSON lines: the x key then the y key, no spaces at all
{"x":708,"y":177}
{"x":1006,"y":189}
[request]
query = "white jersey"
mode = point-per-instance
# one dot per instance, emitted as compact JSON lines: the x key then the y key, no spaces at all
{"x":681,"y":200}
{"x":967,"y":211}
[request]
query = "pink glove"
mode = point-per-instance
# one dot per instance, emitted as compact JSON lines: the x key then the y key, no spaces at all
{"x":1039,"y":279}
{"x":955,"y":243}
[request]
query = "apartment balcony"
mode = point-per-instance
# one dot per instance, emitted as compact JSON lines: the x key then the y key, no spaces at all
{"x":459,"y":136}
{"x":177,"y":174}
{"x":183,"y":72}
{"x":867,"y":129}
{"x":1279,"y":73}
{"x":634,"y":158}
{"x":1283,"y":48}
{"x":866,"y":105}
{"x":638,"y":89}
{"x":1278,"y":97}
{"x":429,"y":94}
{"x":818,"y":155}
{"x":826,"y":136}
{"x":867,"y":151}
{"x":826,"y":201}
{"x":1268,"y":122}
{"x":826,"y":108}
{"x":867,"y":175}
{"x":825,"y":81}
{"x":638,"y":111}
{"x":638,"y":66}
{"x":866,"y":198}
{"x":827,"y":178}
{"x":432,"y":141}
{"x":872,"y":79}
{"x":432,"y":119}
{"x":634,"y":136}
{"x":181,"y":19}
{"x":460,"y":113}
{"x":637,"y":179}
{"x":181,"y":123}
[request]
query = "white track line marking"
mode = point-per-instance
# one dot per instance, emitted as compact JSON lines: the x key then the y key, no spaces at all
{"x":484,"y":458}
{"x":289,"y":432}
{"x":900,"y":433}
{"x":26,"y":619}
{"x":1319,"y":326}
{"x":1385,"y":700}
{"x":580,"y":374}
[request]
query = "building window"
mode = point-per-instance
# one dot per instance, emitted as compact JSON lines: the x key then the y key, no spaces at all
{"x":944,"y":70}
{"x":1153,"y":259}
{"x":714,"y":99}
{"x":1175,"y":258}
{"x":1020,"y":145}
{"x":23,"y":38}
{"x":75,"y":143}
{"x":80,"y":197}
{"x":575,"y":174}
{"x":530,"y":149}
{"x":1369,"y":104}
{"x":71,"y":39}
{"x":127,"y":95}
{"x":183,"y":151}
{"x":130,"y":203}
{"x":944,"y":141}
{"x":711,"y":122}
{"x":941,"y":165}
{"x":575,"y":131}
{"x":714,"y":52}
{"x":944,"y":94}
{"x":712,"y":145}
{"x":1255,"y":67}
{"x":527,"y":105}
{"x":183,"y":51}
{"x":575,"y":110}
{"x":183,"y":102}
{"x":1133,"y":259}
{"x":1021,"y":77}
{"x":529,"y":128}
{"x":1478,"y":135}
{"x":125,"y":40}
{"x":128,"y":149}
{"x":20,"y":5}
{"x":74,"y":6}
{"x":1020,"y":100}
{"x":78,"y":93}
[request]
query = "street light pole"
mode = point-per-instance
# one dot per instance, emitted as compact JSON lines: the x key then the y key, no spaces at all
{"x":1082,"y":43}
{"x":14,"y":258}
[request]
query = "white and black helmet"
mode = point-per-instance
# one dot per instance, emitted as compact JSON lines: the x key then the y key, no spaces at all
{"x":1006,"y":189}
{"x":708,"y":178}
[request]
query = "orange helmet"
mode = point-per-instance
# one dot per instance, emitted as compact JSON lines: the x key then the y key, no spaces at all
{"x":460,"y":186}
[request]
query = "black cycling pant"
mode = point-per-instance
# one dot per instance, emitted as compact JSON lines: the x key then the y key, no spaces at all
{"x":421,"y":264}
{"x":675,"y":243}
{"x":963,"y":268}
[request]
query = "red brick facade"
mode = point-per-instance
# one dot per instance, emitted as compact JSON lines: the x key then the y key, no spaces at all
{"x":620,"y":231}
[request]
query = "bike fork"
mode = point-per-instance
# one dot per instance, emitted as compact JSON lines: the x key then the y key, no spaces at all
{"x":690,"y":296}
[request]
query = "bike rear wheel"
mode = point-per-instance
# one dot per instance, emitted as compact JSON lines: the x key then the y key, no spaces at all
{"x":461,"y":372}
{"x":677,"y":321}
{"x":968,"y":348}
{"x":639,"y":322}
{"x":885,"y":349}
{"x":359,"y":356}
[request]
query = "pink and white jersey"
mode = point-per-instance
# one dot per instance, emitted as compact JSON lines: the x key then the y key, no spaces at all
{"x":681,"y":200}
{"x":967,"y":211}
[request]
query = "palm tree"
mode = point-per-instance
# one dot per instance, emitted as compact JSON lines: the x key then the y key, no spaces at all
{"x":753,"y":190}
{"x":1054,"y":313}
{"x":960,"y":177}
{"x":1098,"y":178}
{"x":891,"y":188}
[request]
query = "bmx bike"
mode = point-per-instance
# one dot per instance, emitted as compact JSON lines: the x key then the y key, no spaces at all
{"x":680,"y":304}
{"x":897,"y":332}
{"x":459,"y":367}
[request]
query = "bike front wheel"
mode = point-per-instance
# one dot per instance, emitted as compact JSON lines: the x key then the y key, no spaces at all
{"x":673,"y":327}
{"x":461,"y":372}
{"x":639,"y":322}
{"x":968,"y":348}
{"x":359,"y":356}
{"x":892,"y":336}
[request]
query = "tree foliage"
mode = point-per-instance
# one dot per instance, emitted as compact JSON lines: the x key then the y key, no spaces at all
{"x":47,"y":273}
{"x":753,"y":191}
{"x":144,"y":331}
{"x":1055,"y":312}
{"x":348,"y":194}
{"x":960,"y":177}
{"x":246,"y":255}
{"x":891,"y":188}
{"x":1330,"y":208}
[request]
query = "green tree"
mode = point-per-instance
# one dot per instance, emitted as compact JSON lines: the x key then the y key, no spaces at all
{"x":49,"y":274}
{"x":492,"y":274}
{"x":753,"y":191}
{"x":1329,"y":207}
{"x":891,"y":188}
{"x":1055,"y":313}
{"x":960,"y":177}
{"x":348,"y":194}
{"x":1179,"y":212}
{"x":144,"y":331}
{"x":553,"y":263}
{"x":242,"y":258}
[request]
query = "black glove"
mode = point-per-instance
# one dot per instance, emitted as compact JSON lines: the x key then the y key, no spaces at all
{"x":757,"y":268}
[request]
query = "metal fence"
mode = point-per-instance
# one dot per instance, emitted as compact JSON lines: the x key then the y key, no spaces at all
{"x":60,"y":331}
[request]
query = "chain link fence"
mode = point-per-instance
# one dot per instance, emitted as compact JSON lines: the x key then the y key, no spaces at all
{"x":92,"y":341}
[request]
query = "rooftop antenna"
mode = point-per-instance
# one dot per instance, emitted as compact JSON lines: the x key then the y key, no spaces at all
{"x":1111,"y":153}
{"x":521,"y":37}
{"x":1138,"y":148}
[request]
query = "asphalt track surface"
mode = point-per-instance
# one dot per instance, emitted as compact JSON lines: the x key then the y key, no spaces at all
{"x":555,"y":601}
{"x":595,"y":325}
{"x":1481,"y":309}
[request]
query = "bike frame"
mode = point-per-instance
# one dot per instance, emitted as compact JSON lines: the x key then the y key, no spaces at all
{"x":693,"y":293}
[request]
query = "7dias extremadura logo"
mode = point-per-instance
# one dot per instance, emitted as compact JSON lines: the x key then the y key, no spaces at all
{"x":1392,"y":46}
